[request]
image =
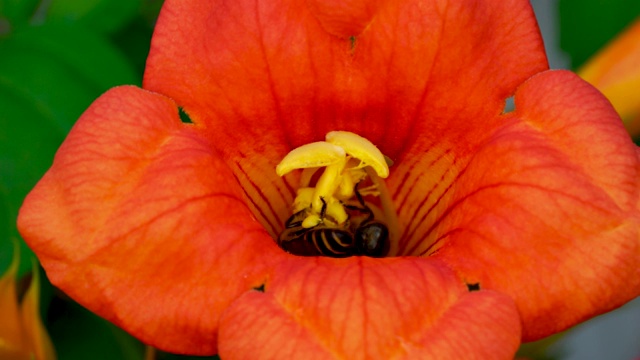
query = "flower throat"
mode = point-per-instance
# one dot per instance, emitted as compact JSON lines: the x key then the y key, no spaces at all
{"x":342,"y":207}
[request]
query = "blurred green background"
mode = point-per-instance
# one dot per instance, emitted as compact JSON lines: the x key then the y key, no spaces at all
{"x":57,"y":56}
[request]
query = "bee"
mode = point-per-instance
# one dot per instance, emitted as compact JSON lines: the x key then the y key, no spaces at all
{"x":372,"y":239}
{"x":369,"y":238}
{"x":316,"y":241}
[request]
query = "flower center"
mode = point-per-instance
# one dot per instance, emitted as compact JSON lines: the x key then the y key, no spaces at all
{"x":342,"y":207}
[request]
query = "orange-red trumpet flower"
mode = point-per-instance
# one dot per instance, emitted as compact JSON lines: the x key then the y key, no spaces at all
{"x":509,"y":225}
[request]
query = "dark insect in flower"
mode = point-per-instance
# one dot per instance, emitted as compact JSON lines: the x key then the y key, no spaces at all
{"x":370,"y":237}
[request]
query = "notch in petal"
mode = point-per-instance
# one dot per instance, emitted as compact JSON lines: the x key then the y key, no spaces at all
{"x":546,"y":216}
{"x":364,"y":308}
{"x":344,"y":18}
{"x":265,"y":74}
{"x":140,"y":221}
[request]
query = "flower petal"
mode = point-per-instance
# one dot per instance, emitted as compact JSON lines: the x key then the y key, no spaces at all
{"x":12,"y":338}
{"x":344,"y":18}
{"x":142,"y":223}
{"x":361,"y":308}
{"x":266,"y":73}
{"x":547,"y":210}
{"x":36,"y":334}
{"x":264,"y":77}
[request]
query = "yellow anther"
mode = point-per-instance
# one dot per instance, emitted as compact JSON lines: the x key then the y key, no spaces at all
{"x":311,"y":155}
{"x":361,"y":149}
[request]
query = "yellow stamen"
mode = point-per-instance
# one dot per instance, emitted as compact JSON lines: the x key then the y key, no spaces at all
{"x":369,"y":190}
{"x":345,"y":161}
{"x":327,"y":184}
{"x":306,"y":175}
{"x":345,"y":189}
{"x":316,"y":154}
{"x":303,"y":198}
{"x":360,"y":148}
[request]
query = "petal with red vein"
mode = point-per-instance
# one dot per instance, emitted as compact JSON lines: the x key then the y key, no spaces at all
{"x":344,"y":18}
{"x":265,"y":76}
{"x":266,"y":73}
{"x":369,"y":308}
{"x":142,"y":223}
{"x":547,"y":210}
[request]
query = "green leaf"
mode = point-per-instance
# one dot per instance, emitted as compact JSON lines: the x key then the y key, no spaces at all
{"x":84,"y":54}
{"x":17,"y":12}
{"x":135,"y":40}
{"x":48,"y":76}
{"x":5,"y":229}
{"x":99,"y":15}
{"x":27,"y":145}
{"x":587,"y":25}
{"x":79,"y":334}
